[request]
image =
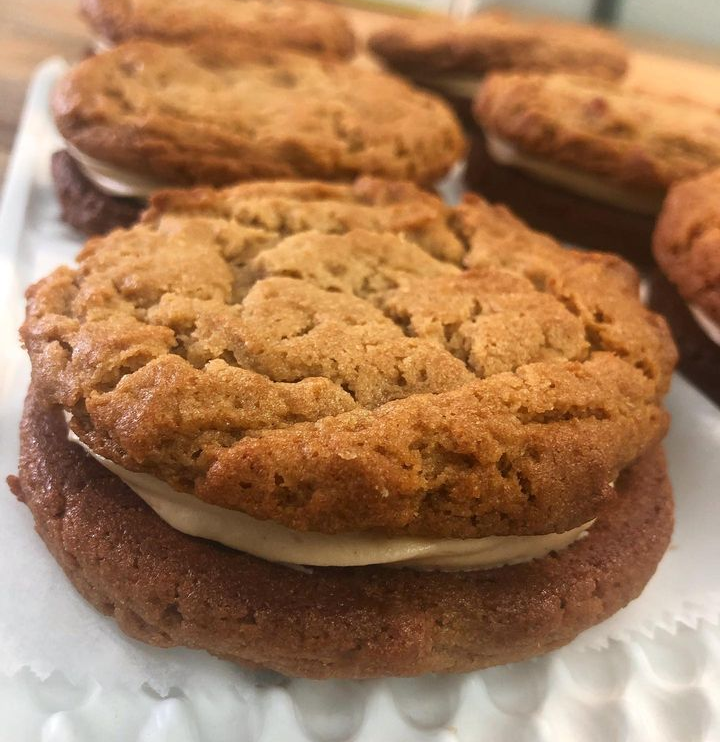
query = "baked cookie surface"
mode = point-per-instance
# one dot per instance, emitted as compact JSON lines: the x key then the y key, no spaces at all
{"x":168,"y":589}
{"x":495,"y":41}
{"x":687,"y":241}
{"x":315,"y":355}
{"x":627,"y":136}
{"x":199,"y":116}
{"x":298,"y":24}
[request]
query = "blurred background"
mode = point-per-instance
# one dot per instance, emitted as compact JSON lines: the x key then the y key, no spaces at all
{"x":691,"y":21}
{"x":32,"y":30}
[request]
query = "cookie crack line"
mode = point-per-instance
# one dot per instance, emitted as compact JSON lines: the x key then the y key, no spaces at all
{"x":297,"y":378}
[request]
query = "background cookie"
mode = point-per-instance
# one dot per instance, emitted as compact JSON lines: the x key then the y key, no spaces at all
{"x":298,"y":24}
{"x":173,"y":116}
{"x":687,"y":241}
{"x":83,"y":205}
{"x":445,"y":48}
{"x":601,"y":141}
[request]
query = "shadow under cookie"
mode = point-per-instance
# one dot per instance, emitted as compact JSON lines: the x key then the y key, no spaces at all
{"x":83,"y":205}
{"x":568,"y":216}
{"x":167,"y":588}
{"x":699,"y":354}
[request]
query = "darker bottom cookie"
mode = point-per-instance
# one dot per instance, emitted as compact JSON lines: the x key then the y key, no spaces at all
{"x":699,"y":355}
{"x":566,"y":216}
{"x":83,"y":205}
{"x":167,"y":589}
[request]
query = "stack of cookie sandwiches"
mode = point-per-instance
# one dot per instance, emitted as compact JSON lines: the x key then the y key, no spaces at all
{"x":587,"y":160}
{"x":344,"y":430}
{"x":304,"y":25}
{"x":687,"y":287}
{"x":145,"y":115}
{"x":452,"y":56}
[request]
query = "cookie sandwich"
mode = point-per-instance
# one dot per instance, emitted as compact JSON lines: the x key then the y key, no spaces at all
{"x":452,"y":56}
{"x":686,"y":289}
{"x":346,"y":431}
{"x":587,"y":160}
{"x":304,"y":25}
{"x":144,"y":116}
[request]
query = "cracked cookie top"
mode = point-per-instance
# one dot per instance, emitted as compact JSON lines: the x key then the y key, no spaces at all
{"x":496,"y":41}
{"x":299,"y":24}
{"x":355,"y":357}
{"x":203,"y":116}
{"x":629,"y":136}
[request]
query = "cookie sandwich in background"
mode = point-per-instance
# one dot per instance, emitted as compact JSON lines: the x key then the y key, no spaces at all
{"x":144,"y":116}
{"x":452,"y":56}
{"x":686,"y":288}
{"x":304,"y":25}
{"x":587,"y":160}
{"x":345,"y":430}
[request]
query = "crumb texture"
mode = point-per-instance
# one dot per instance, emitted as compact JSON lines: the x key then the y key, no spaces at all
{"x":298,"y":24}
{"x":199,"y":115}
{"x":169,"y":589}
{"x":687,"y":241}
{"x":356,"y":357}
{"x":609,"y":129}
{"x":498,"y":41}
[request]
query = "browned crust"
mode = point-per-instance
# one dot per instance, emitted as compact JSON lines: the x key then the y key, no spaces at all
{"x":497,"y":41}
{"x":275,"y":348}
{"x":629,"y":136}
{"x":83,"y":205}
{"x":567,"y":216}
{"x":687,"y":241}
{"x":169,"y":589}
{"x":295,"y":24}
{"x":194,"y":116}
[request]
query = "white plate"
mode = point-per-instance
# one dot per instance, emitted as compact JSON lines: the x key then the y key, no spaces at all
{"x":660,"y":688}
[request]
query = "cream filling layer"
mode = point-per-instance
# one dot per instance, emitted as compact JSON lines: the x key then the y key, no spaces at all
{"x":709,"y":326}
{"x":115,"y":181}
{"x":573,"y":180}
{"x":276,"y":543}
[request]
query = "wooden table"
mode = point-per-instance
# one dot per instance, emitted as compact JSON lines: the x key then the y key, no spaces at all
{"x":31,"y":30}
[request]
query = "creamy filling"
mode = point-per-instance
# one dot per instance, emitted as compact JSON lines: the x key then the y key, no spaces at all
{"x":571,"y":179}
{"x":709,"y":326}
{"x":113,"y":180}
{"x":276,"y":543}
{"x":460,"y":86}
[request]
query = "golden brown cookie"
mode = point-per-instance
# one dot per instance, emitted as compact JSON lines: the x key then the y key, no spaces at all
{"x":628,"y":137}
{"x":445,"y":48}
{"x":297,"y":24}
{"x":687,"y":241}
{"x":588,"y":160}
{"x":235,"y":336}
{"x":168,"y":589}
{"x":180,"y":116}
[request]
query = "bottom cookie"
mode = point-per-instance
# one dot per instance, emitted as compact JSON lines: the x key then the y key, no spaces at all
{"x":566,"y":216}
{"x":699,"y":355}
{"x":84,"y":206}
{"x":168,"y":589}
